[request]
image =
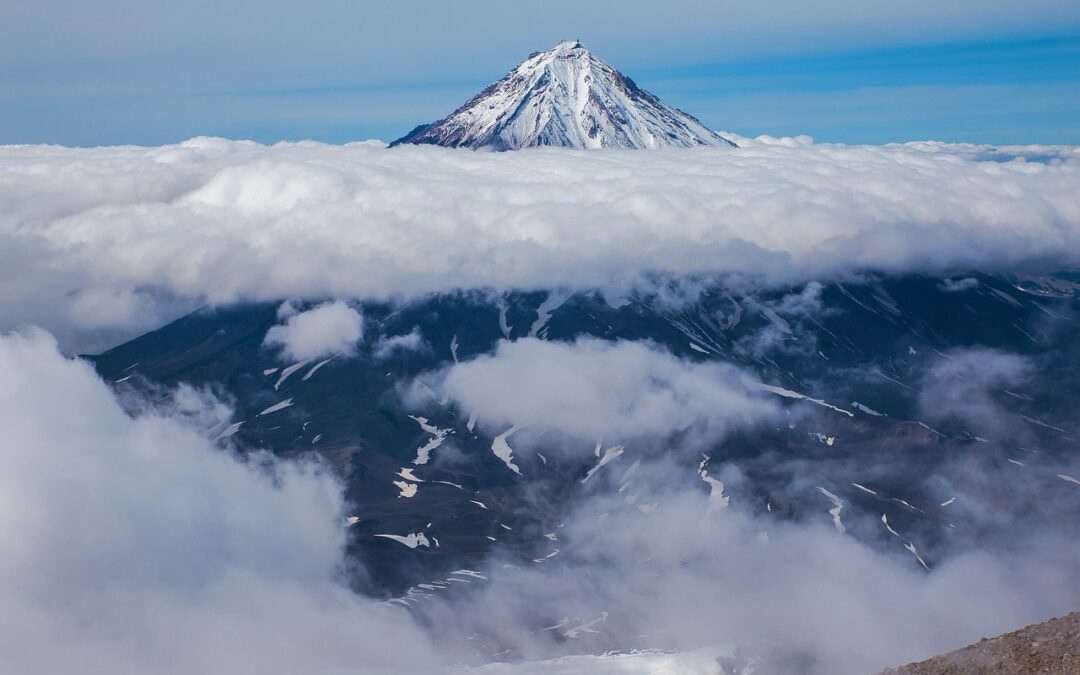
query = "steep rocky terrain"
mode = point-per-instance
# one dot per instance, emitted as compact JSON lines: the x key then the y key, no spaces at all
{"x":1051,"y":647}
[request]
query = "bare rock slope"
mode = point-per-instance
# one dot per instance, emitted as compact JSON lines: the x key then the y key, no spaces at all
{"x":1051,"y":647}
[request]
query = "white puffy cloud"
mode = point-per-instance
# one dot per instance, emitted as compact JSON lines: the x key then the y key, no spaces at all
{"x":131,"y":545}
{"x":413,"y":341}
{"x":593,"y":390}
{"x":330,"y":329}
{"x":217,"y":220}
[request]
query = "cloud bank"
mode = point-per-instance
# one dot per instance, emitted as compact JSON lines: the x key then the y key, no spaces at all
{"x":116,"y":239}
{"x":132,"y":545}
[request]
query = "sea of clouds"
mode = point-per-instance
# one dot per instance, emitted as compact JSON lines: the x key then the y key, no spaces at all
{"x":99,"y":244}
{"x":134,"y":543}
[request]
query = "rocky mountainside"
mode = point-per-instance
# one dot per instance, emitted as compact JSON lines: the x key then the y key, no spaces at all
{"x":433,"y":486}
{"x":1051,"y":647}
{"x":565,"y":97}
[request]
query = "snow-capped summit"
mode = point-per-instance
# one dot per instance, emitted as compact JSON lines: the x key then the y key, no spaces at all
{"x":565,"y":97}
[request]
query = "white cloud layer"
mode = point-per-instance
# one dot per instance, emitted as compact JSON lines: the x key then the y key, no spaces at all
{"x":595,"y":390}
{"x":330,"y":329}
{"x":134,"y":546}
{"x":117,"y":238}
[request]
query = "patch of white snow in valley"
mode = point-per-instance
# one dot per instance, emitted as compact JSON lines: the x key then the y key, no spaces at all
{"x":287,"y":372}
{"x":929,"y":428}
{"x":438,"y":437}
{"x":1006,"y":297}
{"x":907,"y":505}
{"x":229,"y":430}
{"x":411,"y":540}
{"x":866,"y":409}
{"x":838,"y":506}
{"x":1045,"y":425}
{"x":315,"y":368}
{"x":585,"y":626}
{"x":471,"y":424}
{"x":948,"y":501}
{"x":453,"y":347}
{"x":352,"y":520}
{"x":547,"y":557}
{"x":269,"y":371}
{"x":717,"y":499}
{"x":503,"y":451}
{"x":787,"y":393}
{"x":407,"y":489}
{"x":609,"y":455}
{"x":703,"y":661}
{"x":554,"y":300}
{"x":865,"y":489}
{"x":504,"y":327}
{"x":907,"y":542}
{"x":1068,"y":479}
{"x":825,"y":440}
{"x":1022,"y":397}
{"x":276,"y":407}
{"x":698,"y":349}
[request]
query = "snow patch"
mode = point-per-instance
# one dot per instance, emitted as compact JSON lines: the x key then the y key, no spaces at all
{"x":411,"y":540}
{"x":503,"y":451}
{"x":838,"y":506}
{"x":276,"y":407}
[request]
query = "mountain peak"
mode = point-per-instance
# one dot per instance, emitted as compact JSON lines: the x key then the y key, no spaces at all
{"x":567,"y":46}
{"x":564,"y":97}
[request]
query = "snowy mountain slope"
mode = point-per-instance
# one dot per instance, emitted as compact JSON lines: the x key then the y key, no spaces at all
{"x":565,"y":97}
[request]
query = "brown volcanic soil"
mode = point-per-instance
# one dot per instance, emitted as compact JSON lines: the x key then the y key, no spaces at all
{"x":1051,"y":647}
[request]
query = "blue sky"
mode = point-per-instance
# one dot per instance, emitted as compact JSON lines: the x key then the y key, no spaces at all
{"x":152,"y":72}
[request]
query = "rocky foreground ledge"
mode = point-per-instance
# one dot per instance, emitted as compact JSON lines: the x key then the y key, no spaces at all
{"x":1051,"y":647}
